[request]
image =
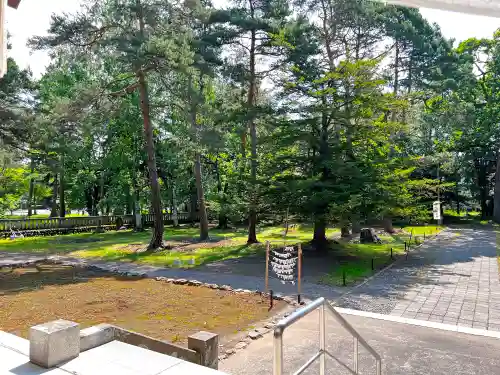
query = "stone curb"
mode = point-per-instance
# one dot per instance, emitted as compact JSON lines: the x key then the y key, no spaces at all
{"x":421,"y":323}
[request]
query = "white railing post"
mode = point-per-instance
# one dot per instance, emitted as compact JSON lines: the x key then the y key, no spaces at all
{"x":322,"y":340}
{"x":278,"y":352}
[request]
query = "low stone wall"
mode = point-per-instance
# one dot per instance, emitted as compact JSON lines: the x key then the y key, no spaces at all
{"x":56,"y":342}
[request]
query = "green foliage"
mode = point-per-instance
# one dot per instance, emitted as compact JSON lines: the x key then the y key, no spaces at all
{"x":13,"y":185}
{"x":359,"y":113}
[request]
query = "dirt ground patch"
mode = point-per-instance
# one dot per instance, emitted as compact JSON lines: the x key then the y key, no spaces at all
{"x":165,"y":311}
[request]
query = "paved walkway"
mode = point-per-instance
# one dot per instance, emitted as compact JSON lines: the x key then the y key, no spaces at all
{"x":405,"y":349}
{"x":452,"y":280}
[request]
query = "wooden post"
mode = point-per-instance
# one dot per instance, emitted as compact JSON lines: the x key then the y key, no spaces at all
{"x":373,"y":264}
{"x":267,"y":267}
{"x":343,"y":278}
{"x":299,"y":261}
{"x":391,"y":253}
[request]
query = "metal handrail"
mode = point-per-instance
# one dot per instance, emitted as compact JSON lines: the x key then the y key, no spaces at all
{"x":323,"y":305}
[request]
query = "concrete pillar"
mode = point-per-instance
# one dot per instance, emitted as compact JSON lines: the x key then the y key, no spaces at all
{"x":206,"y":344}
{"x":54,"y":343}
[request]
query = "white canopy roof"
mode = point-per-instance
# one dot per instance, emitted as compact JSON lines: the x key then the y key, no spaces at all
{"x":480,"y":7}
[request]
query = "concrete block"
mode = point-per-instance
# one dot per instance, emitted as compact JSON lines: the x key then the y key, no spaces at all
{"x":95,"y":336}
{"x":207,"y":345}
{"x":54,"y":343}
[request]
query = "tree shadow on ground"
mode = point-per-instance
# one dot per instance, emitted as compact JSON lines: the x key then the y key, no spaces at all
{"x":18,"y":280}
{"x":444,"y":264}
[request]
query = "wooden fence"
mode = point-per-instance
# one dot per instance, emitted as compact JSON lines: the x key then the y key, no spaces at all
{"x":83,"y":222}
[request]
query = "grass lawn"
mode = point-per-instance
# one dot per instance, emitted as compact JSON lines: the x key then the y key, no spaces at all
{"x":124,"y":245}
{"x":355,"y":259}
{"x":453,"y":213}
{"x":164,"y":311}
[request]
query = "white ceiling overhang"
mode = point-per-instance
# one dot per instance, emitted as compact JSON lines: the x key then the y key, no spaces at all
{"x":480,"y":7}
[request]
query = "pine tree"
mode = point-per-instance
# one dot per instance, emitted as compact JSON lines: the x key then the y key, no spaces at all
{"x":251,"y":28}
{"x":145,"y":37}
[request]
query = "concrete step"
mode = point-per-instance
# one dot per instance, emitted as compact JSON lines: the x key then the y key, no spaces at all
{"x":404,"y":348}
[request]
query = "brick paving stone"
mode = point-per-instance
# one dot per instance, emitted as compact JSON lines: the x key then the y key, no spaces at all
{"x":452,"y":321}
{"x":409,"y":314}
{"x":464,"y":323}
{"x":452,"y":314}
{"x":455,"y":277}
{"x":494,"y":327}
{"x":436,"y":318}
{"x":479,"y":325}
{"x":422,"y":316}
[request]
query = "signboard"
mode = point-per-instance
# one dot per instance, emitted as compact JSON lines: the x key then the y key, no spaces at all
{"x":436,"y":210}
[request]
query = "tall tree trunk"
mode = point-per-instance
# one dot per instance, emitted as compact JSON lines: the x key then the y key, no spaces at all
{"x":175,"y":214}
{"x":356,"y":226}
{"x":101,"y":203}
{"x":158,"y":229}
{"x":193,"y":205}
{"x":34,"y":200}
{"x":53,"y":211}
{"x":252,"y":217}
{"x":223,"y":219}
{"x":32,"y":187}
{"x":410,"y":83}
{"x":62,"y":201}
{"x":396,"y":79}
{"x":157,"y":238}
{"x":484,"y":203}
{"x":319,"y":235}
{"x":329,"y":33}
{"x":482,"y":183}
{"x":197,"y":166}
{"x":496,"y":197}
{"x":345,"y":232}
{"x":201,"y":198}
{"x":387,"y":224}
